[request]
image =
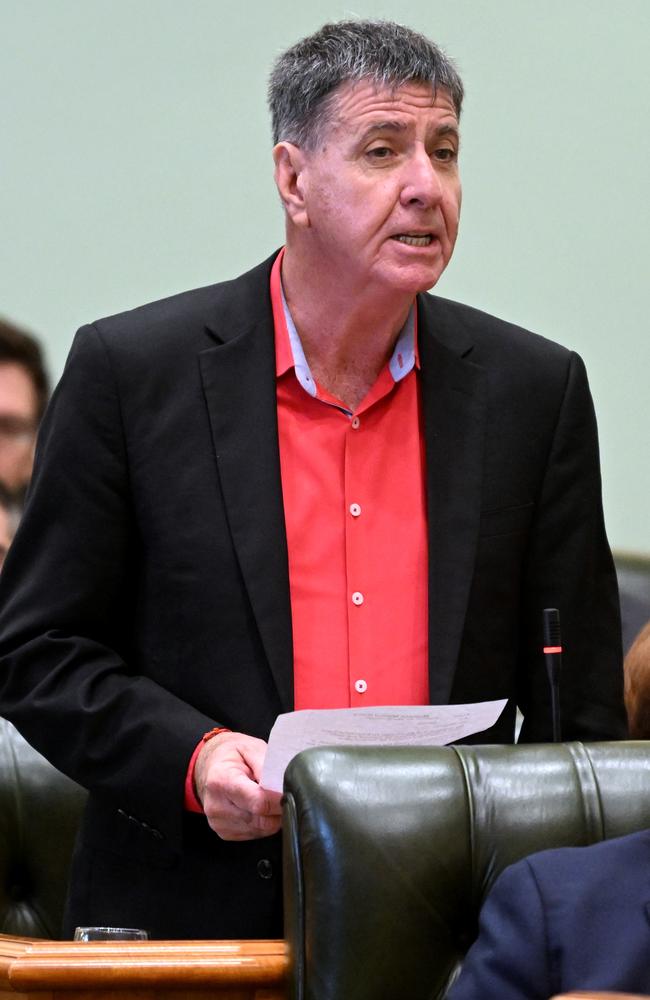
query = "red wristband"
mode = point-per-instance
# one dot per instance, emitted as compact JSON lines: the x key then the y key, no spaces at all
{"x":214,"y":732}
{"x":191,"y":801}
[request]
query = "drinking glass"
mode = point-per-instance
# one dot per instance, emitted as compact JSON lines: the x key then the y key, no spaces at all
{"x":110,"y":934}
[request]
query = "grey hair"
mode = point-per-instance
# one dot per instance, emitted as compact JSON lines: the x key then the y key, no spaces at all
{"x":305,"y":76}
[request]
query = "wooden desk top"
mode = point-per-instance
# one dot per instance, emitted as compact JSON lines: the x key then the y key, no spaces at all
{"x":236,"y":969}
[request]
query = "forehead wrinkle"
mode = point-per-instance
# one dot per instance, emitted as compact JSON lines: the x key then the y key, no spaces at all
{"x":354,"y":102}
{"x":358,"y":97}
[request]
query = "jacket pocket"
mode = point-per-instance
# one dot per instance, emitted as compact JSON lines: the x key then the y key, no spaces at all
{"x":506,"y":520}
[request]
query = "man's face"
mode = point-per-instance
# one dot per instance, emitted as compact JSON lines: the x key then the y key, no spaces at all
{"x":18,"y":419}
{"x":382,"y":190}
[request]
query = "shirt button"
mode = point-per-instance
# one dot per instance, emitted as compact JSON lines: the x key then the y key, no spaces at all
{"x":356,"y":423}
{"x":265,"y":868}
{"x":360,"y":687}
{"x":357,"y":598}
{"x":355,"y":509}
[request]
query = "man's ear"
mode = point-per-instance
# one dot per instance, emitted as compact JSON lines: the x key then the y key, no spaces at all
{"x":290,"y":163}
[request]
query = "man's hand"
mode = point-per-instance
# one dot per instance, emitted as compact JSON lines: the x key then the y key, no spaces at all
{"x":226,"y":776}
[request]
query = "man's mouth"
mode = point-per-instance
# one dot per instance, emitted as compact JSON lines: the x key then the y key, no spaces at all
{"x":414,"y":240}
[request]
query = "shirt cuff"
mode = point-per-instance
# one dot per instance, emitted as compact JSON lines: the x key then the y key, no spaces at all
{"x":191,"y":802}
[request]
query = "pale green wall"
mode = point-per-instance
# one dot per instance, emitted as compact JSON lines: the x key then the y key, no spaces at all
{"x":134,"y":162}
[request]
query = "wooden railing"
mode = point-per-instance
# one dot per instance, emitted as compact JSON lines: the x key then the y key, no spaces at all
{"x":600,"y":996}
{"x":143,"y":970}
{"x":32,"y":969}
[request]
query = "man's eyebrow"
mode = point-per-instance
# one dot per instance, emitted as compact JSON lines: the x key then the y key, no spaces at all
{"x":443,"y":130}
{"x":391,"y":125}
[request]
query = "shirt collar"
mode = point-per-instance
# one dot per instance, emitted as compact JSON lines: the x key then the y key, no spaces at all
{"x":288,"y":348}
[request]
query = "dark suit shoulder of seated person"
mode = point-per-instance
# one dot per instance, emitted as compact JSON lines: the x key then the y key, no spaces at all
{"x":574,"y":918}
{"x":215,"y":467}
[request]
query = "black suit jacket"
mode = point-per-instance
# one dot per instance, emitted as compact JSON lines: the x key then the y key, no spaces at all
{"x":146,"y":596}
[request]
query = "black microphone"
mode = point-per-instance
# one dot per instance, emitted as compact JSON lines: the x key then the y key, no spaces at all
{"x":553,"y":658}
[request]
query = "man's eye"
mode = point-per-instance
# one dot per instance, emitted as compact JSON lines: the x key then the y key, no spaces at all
{"x":380,"y":152}
{"x":445,"y":154}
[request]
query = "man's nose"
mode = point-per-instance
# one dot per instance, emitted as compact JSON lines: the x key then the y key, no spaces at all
{"x":421,"y":181}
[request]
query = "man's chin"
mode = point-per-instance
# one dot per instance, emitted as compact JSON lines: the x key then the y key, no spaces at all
{"x":412,"y":280}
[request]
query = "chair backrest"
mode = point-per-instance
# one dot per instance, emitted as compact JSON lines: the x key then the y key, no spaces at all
{"x":390,"y":852}
{"x":40,"y":811}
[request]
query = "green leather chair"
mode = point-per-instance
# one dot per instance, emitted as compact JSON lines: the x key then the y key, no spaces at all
{"x":40,"y":811}
{"x":389,"y":853}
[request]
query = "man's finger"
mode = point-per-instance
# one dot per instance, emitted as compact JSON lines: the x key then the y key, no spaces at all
{"x":247,"y":796}
{"x":243,"y":826}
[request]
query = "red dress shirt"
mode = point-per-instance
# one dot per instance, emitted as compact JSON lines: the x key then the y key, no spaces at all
{"x":353,"y":485}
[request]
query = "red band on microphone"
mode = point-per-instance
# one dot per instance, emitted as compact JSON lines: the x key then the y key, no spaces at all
{"x":552,"y":649}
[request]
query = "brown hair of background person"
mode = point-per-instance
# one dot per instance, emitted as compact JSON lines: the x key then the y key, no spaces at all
{"x":637,"y":685}
{"x":24,"y":391}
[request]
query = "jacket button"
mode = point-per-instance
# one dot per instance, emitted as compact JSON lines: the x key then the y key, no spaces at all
{"x":265,"y":868}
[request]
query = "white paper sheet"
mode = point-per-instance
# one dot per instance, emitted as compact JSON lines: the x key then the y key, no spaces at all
{"x":401,"y":725}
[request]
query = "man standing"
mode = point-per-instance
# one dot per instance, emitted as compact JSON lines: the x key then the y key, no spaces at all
{"x":313,"y":486}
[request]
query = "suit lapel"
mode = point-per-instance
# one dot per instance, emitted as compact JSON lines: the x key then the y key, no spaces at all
{"x":239,"y":385}
{"x":453,"y":394}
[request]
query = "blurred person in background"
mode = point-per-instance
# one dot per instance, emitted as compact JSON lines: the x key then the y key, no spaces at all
{"x":637,"y":685}
{"x":9,"y":516}
{"x":24,"y":391}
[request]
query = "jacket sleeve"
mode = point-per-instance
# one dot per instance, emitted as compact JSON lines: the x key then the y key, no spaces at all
{"x":509,"y":958}
{"x":71,"y":678}
{"x":569,"y":566}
